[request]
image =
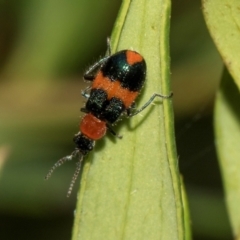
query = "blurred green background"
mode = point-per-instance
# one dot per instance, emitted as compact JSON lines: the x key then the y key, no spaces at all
{"x":45,"y":46}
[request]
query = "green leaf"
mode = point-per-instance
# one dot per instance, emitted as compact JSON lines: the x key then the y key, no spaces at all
{"x":223,"y":21}
{"x":130,"y":188}
{"x":227,"y":131}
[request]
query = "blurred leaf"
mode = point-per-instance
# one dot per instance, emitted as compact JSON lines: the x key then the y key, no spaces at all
{"x":187,"y":218}
{"x":227,"y":131}
{"x":209,"y":214}
{"x":223,"y":22}
{"x":4,"y":152}
{"x":131,"y":189}
{"x":51,"y":35}
{"x":196,"y":65}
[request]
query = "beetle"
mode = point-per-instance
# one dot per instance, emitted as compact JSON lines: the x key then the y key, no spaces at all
{"x":116,"y":81}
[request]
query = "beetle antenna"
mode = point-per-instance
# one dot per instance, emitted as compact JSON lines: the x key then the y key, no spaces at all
{"x":75,"y":176}
{"x":61,"y":162}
